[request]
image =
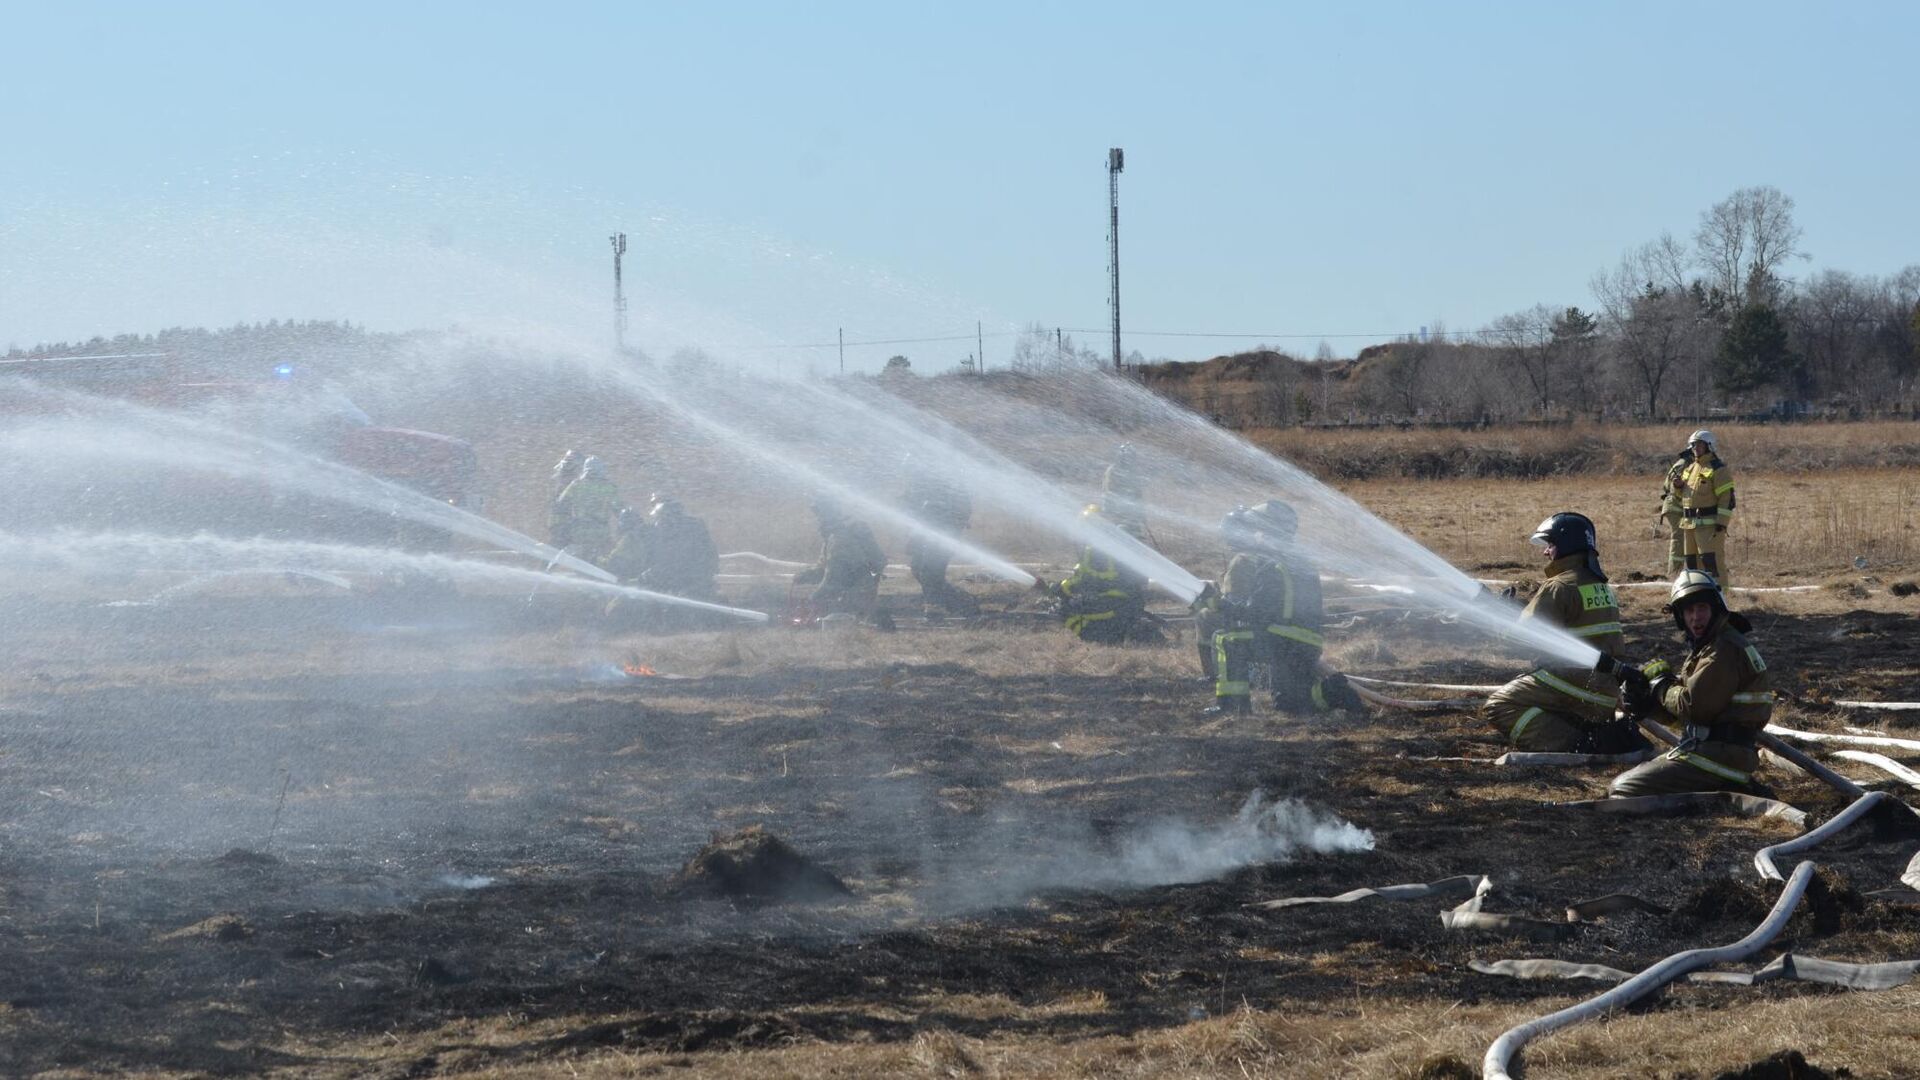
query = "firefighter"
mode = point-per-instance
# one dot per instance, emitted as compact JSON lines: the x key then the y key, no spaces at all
{"x":1123,"y":493}
{"x":1266,"y":610}
{"x":850,"y":567}
{"x":628,"y":559}
{"x":565,"y":471}
{"x":948,"y":508}
{"x":583,"y":514}
{"x":1672,"y":513}
{"x":680,"y":556}
{"x":1706,"y":506}
{"x":1720,"y":699}
{"x":1558,"y":707}
{"x":1103,"y":600}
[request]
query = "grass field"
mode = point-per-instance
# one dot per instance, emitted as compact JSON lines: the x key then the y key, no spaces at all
{"x":389,"y":836}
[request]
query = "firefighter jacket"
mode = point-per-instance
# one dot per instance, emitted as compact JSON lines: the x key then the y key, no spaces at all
{"x":583,"y":513}
{"x":1670,"y":488}
{"x":628,"y":559}
{"x":850,"y":558}
{"x":944,"y":506}
{"x":1578,"y":601}
{"x":1276,"y":596}
{"x":680,"y":557}
{"x":1100,"y":590}
{"x":1721,"y":699}
{"x":1706,"y":493}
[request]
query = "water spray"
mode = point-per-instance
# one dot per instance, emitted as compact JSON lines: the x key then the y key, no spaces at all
{"x":169,"y":440}
{"x":786,"y":463}
{"x":101,"y":553}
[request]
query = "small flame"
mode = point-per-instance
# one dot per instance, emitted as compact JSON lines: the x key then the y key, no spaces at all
{"x":637,"y":669}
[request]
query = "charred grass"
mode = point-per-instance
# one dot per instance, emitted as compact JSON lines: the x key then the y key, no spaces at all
{"x":336,"y":851}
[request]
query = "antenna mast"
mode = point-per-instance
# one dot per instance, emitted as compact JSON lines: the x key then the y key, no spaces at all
{"x":1116,"y":160}
{"x":619,"y":242}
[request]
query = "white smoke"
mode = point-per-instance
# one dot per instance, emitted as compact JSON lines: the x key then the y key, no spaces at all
{"x":995,"y":870}
{"x":1176,"y":851}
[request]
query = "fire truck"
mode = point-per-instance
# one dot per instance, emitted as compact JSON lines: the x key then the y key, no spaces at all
{"x":283,"y":403}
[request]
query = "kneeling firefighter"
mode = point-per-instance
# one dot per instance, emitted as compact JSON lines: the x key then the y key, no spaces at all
{"x":1721,"y":698}
{"x":1562,"y":708}
{"x":1104,"y":600}
{"x":1267,"y":610}
{"x":850,"y":567}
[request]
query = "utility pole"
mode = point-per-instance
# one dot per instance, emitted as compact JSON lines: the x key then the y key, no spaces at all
{"x":980,"y":342}
{"x":1059,"y":349}
{"x":843,"y":350}
{"x":1116,"y":160}
{"x":619,"y":242}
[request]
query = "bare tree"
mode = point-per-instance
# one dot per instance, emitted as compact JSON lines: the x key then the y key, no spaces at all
{"x":1663,"y":326}
{"x":1747,"y":234}
{"x":1526,"y":339}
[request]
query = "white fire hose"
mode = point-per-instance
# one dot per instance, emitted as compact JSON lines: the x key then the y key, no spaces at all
{"x":1501,"y":1054}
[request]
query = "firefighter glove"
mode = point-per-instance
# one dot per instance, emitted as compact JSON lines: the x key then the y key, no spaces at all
{"x":1638,"y":696}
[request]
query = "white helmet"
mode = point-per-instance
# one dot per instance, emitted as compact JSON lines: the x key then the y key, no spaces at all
{"x":1704,"y":436}
{"x":593,"y":466}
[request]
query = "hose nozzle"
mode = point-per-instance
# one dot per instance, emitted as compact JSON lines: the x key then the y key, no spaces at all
{"x":1628,"y":673}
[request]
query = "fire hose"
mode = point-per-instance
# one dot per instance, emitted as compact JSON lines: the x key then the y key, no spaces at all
{"x":1500,"y":1055}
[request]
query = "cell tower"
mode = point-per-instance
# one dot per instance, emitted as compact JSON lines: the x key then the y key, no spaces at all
{"x":619,"y":242}
{"x":1116,"y":160}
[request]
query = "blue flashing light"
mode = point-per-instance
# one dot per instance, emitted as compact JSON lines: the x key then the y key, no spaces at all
{"x":283,"y":371}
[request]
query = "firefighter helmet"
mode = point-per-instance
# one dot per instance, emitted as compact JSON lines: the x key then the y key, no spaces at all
{"x":664,"y":507}
{"x":627,"y":520}
{"x":1238,"y":531}
{"x":1569,"y":533}
{"x":826,"y":508}
{"x":1704,"y":436}
{"x":1691,"y":586}
{"x":593,"y":467}
{"x":568,"y":466}
{"x":1276,"y":520}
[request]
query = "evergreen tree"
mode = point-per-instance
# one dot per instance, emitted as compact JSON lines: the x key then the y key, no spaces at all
{"x":1754,"y":352}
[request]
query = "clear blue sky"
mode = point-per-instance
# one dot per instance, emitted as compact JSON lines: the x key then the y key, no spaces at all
{"x":905,"y":169}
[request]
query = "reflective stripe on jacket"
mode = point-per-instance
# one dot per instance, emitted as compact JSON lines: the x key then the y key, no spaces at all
{"x":1280,"y":597}
{"x":1706,"y":492}
{"x":1576,"y":600}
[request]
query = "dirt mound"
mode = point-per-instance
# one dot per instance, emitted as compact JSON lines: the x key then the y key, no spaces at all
{"x":1785,"y":1065}
{"x":754,"y":864}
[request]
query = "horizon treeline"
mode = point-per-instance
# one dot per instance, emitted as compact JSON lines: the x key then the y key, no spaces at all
{"x":1712,"y":326}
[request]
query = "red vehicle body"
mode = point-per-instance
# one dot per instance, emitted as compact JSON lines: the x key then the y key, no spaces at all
{"x":281,"y":405}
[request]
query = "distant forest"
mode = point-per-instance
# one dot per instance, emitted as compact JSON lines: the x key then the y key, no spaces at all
{"x":1715,"y":325}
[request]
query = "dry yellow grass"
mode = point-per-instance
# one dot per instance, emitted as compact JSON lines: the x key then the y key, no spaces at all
{"x":1795,"y":526}
{"x":1869,"y":1034}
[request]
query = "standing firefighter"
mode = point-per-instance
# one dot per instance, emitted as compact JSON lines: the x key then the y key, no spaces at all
{"x":583,"y":514}
{"x":1123,"y":492}
{"x":1721,"y":699}
{"x":1559,"y":707}
{"x":1673,"y":513}
{"x":947,"y":508}
{"x":850,"y":567}
{"x":1104,"y":600}
{"x":1706,"y":506}
{"x":1267,"y":610}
